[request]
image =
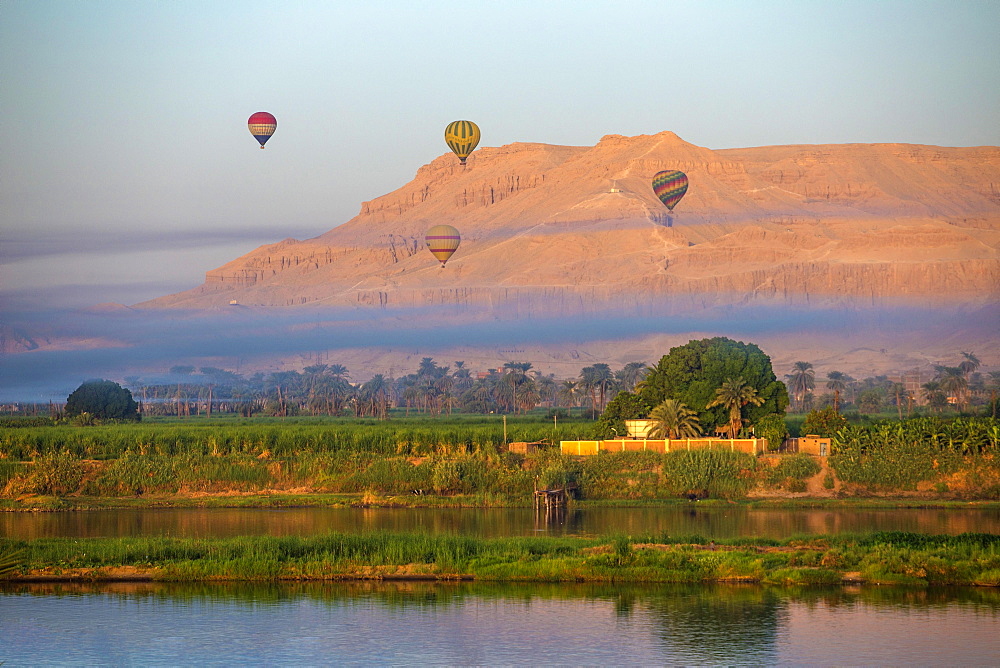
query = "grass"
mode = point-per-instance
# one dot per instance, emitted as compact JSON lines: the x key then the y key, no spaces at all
{"x":461,"y":458}
{"x":896,"y":558}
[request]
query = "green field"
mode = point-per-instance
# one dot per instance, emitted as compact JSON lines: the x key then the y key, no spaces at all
{"x":464,"y":460}
{"x":884,"y":558}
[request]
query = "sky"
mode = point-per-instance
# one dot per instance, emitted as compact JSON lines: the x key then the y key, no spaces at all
{"x":127,"y":170}
{"x":124,"y":122}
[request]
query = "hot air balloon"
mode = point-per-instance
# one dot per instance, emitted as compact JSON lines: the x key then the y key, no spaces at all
{"x":670,"y":186}
{"x":442,"y":241}
{"x":462,"y":137}
{"x":262,"y":125}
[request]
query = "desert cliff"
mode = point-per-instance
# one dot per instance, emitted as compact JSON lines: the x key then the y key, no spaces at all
{"x":561,"y":230}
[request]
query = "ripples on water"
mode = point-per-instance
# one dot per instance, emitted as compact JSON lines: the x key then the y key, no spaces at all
{"x":686,"y":520}
{"x":461,"y":624}
{"x":481,"y":624}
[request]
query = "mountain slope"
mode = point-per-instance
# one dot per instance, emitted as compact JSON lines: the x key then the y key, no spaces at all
{"x":558,"y":230}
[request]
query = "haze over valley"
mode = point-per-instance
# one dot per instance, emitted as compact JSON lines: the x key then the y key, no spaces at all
{"x":864,"y":258}
{"x":843,"y":206}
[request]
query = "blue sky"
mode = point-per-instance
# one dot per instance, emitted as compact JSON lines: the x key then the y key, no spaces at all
{"x":127,"y":169}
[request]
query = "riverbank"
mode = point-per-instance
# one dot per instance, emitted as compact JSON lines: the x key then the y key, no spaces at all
{"x":925,"y":460}
{"x":889,"y":558}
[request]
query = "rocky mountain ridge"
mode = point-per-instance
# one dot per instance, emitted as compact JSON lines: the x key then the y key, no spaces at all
{"x":551,"y":230}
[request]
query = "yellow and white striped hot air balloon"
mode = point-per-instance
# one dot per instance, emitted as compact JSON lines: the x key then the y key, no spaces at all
{"x":462,"y":137}
{"x":442,"y":242}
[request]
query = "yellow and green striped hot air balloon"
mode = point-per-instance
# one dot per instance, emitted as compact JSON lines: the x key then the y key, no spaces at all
{"x":462,"y":137}
{"x":442,"y":242}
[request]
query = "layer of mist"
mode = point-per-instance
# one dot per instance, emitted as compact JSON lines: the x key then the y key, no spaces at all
{"x":49,"y":353}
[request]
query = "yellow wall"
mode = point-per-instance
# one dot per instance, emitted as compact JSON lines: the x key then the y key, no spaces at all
{"x":754,"y":446}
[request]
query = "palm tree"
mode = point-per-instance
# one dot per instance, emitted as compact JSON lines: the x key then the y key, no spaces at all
{"x":953,"y":381}
{"x":588,"y":384}
{"x":836,"y":382}
{"x":673,"y":419}
{"x":375,"y":397}
{"x":801,"y":381}
{"x":569,"y":391}
{"x":603,"y":378}
{"x":630,"y":375}
{"x":462,"y":376}
{"x":547,"y":389}
{"x":969,"y":364}
{"x":900,"y":391}
{"x":935,"y":398}
{"x":517,"y":374}
{"x":734,"y":395}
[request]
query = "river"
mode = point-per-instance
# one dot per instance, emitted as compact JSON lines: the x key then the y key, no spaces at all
{"x":488,"y":624}
{"x":482,"y":624}
{"x":688,"y":520}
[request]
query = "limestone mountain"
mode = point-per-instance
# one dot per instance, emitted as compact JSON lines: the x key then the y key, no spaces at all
{"x":563,"y":230}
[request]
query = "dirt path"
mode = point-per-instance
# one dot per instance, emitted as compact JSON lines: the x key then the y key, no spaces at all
{"x":814,"y":485}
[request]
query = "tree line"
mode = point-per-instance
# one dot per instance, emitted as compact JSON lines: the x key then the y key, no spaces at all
{"x":960,"y":388}
{"x":433,"y":389}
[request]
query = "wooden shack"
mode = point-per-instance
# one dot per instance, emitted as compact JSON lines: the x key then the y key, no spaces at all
{"x":524,"y":448}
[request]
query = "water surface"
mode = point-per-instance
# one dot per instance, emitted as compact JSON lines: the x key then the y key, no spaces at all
{"x":482,"y":624}
{"x":692,"y":519}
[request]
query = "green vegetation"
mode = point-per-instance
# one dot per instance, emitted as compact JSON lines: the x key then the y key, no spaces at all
{"x":824,"y":422}
{"x":496,"y":478}
{"x":672,"y":419}
{"x":101,"y":400}
{"x":466,"y":461}
{"x":693,"y":373}
{"x":277,"y":438}
{"x":893,"y":455}
{"x":625,"y":406}
{"x":886,"y":558}
{"x":792,"y":472}
{"x":773,"y":428}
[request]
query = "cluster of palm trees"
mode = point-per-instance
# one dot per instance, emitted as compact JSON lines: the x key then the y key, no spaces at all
{"x":951,"y":385}
{"x":515,"y":387}
{"x":674,"y":419}
{"x":954,"y":384}
{"x":327,"y":389}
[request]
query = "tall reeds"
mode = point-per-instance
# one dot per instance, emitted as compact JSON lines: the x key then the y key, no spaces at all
{"x":888,"y":558}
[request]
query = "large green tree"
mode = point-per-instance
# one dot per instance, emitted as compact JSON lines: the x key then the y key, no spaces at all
{"x":103,"y":399}
{"x":693,"y":372}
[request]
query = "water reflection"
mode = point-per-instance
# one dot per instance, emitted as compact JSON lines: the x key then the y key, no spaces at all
{"x":710,"y":522}
{"x":488,"y":624}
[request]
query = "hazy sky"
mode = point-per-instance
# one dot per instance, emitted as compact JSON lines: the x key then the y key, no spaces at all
{"x":124,"y":122}
{"x":127,"y":171}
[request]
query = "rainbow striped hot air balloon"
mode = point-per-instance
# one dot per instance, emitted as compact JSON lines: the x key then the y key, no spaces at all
{"x":442,"y":242}
{"x":462,"y":137}
{"x":262,"y":126}
{"x":670,"y":186}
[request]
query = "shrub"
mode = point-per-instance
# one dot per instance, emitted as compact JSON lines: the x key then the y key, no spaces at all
{"x":54,"y":474}
{"x":824,"y":422}
{"x":773,"y":428}
{"x":798,"y":466}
